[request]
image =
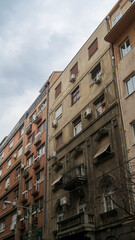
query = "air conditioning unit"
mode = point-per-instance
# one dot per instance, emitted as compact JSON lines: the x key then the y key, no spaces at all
{"x":72,"y":78}
{"x":82,"y":208}
{"x":19,"y":213}
{"x":54,"y":154}
{"x":22,"y":166}
{"x":12,"y":226}
{"x":54,"y":123}
{"x":64,"y":201}
{"x":87,"y":113}
{"x":97,"y":79}
{"x":15,"y":156}
{"x":60,"y":217}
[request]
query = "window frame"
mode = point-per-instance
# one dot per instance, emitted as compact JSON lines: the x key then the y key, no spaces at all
{"x":11,"y":143}
{"x":59,"y":141}
{"x":132,"y":80}
{"x":42,"y":149}
{"x":74,"y":69}
{"x":42,"y":126}
{"x":126,"y":48}
{"x":2,"y":228}
{"x":75,"y":95}
{"x":58,"y":112}
{"x":100,"y":103}
{"x":77,"y":124}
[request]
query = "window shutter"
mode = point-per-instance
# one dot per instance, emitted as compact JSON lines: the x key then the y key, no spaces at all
{"x":93,"y":47}
{"x":74,"y":70}
{"x":58,"y":90}
{"x":78,"y":120}
{"x":58,"y":141}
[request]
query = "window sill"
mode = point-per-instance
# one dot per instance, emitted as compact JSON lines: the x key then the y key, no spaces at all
{"x":129,"y":95}
{"x":111,"y":213}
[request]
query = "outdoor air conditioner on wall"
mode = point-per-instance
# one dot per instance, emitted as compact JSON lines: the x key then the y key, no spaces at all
{"x":64,"y":201}
{"x":72,"y":78}
{"x":87,"y":113}
{"x":54,"y":123}
{"x":54,"y":154}
{"x":97,"y":79}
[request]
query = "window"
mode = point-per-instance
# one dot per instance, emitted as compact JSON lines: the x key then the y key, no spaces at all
{"x":130,"y":85}
{"x":28,"y":184}
{"x":41,"y":127}
{"x":40,"y":176}
{"x":32,"y":117}
{"x":58,"y":113}
{"x":58,"y":90}
{"x":4,"y":204}
{"x":117,"y":19}
{"x":16,"y":195}
{"x":31,"y":138}
{"x":2,"y":226}
{"x":77,"y":124}
{"x":75,"y":95}
{"x":1,"y":155}
{"x":21,"y":131}
{"x":58,"y":141}
{"x":18,"y":172}
{"x":30,"y":160}
{"x":41,"y":150}
{"x":39,"y":204}
{"x":26,"y":212}
{"x":0,"y":172}
{"x":13,"y":223}
{"x":125,"y":48}
{"x":7,"y":183}
{"x":43,"y":105}
{"x":19,"y":151}
{"x":100,"y":106}
{"x":96,"y":73}
{"x":11,"y":143}
{"x":104,"y":149}
{"x":74,"y":70}
{"x":93,"y":48}
{"x":108,"y":201}
{"x":9,"y":163}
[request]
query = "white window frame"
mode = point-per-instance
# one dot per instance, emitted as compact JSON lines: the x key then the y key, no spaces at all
{"x":20,"y":151}
{"x":21,"y":131}
{"x":127,"y":48}
{"x":2,"y":226}
{"x":58,"y":112}
{"x":7,"y":182}
{"x":132,"y":1}
{"x":43,"y":105}
{"x":77,"y":128}
{"x":9,"y":162}
{"x":30,"y":160}
{"x":1,"y":155}
{"x":0,"y":172}
{"x":108,"y":196}
{"x":41,"y":150}
{"x":116,"y":19}
{"x":99,"y":106}
{"x":11,"y":143}
{"x":18,"y":172}
{"x":41,"y":176}
{"x":131,"y":80}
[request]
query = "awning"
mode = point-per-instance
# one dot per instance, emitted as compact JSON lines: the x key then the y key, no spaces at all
{"x":57,"y":180}
{"x":101,"y":150}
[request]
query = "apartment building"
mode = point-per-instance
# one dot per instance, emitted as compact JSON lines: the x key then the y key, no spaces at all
{"x":22,"y":163}
{"x":122,"y":38}
{"x":87,"y":191}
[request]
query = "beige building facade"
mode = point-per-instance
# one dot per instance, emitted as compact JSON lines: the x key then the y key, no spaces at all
{"x":122,"y":38}
{"x":86,"y":174}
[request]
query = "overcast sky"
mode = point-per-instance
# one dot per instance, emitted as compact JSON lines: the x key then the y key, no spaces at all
{"x":36,"y":38}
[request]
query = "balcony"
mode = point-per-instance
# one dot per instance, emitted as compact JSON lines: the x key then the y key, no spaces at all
{"x":35,"y":189}
{"x":74,"y":177}
{"x":26,"y":172}
{"x":37,"y":139}
{"x":38,"y":117}
{"x":79,"y":223}
{"x":24,"y":196}
{"x":36,"y":162}
{"x":29,"y":129}
{"x":27,"y":149}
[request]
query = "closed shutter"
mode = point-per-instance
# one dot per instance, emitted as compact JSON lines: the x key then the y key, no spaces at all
{"x":74,"y":70}
{"x":93,"y":47}
{"x":58,"y":90}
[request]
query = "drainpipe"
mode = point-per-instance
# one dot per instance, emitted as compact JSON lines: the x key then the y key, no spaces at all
{"x":45,"y":170}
